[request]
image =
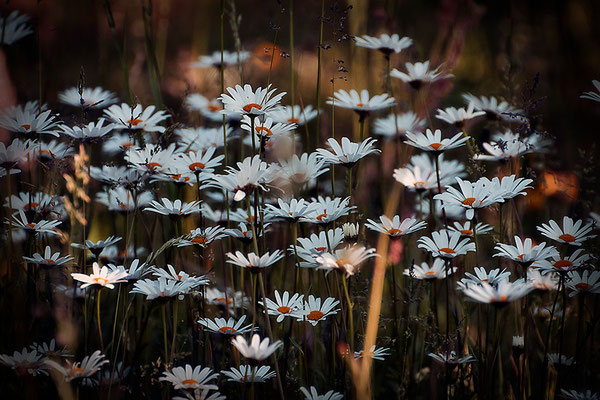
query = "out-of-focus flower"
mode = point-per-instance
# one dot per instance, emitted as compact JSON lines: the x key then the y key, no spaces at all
{"x":314,"y":395}
{"x":347,"y":153}
{"x":446,"y":244}
{"x":14,"y":27}
{"x":257,"y":349}
{"x":137,"y":118}
{"x":89,"y":366}
{"x":592,"y":95}
{"x":494,"y":109}
{"x":25,"y":362}
{"x":214,"y":59}
{"x":346,"y":260}
{"x":248,"y":374}
{"x":395,"y":126}
{"x":458,"y":116}
{"x":385,"y":43}
{"x":189,"y":377}
{"x":504,"y":292}
{"x":418,"y":74}
{"x":451,"y":358}
{"x":294,"y":114}
{"x":437,"y":270}
{"x":88,"y":98}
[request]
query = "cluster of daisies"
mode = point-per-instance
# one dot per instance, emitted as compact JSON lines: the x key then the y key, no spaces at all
{"x":173,"y":177}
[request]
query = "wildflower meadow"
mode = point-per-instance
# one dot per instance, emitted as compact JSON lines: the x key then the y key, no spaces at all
{"x":328,"y":200}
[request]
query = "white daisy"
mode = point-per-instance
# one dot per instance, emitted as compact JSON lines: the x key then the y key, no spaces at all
{"x":395,"y":126}
{"x":503,"y":293}
{"x":137,"y":118}
{"x":214,"y":59}
{"x":175,"y":208}
{"x":314,"y":312}
{"x":252,"y":173}
{"x":294,"y":115}
{"x":432,"y":141}
{"x":162,"y":288}
{"x":394,"y":227}
{"x":467,"y":231}
{"x":346,"y":260}
{"x":573,"y":233}
{"x":20,"y":221}
{"x":203,"y":237}
{"x":481,"y":276}
{"x":326,"y":210}
{"x":87,"y":133}
{"x":556,"y":263}
{"x":446,"y":244}
{"x":152,"y":158}
{"x":48,"y":152}
{"x":419,"y":74}
{"x":587,"y":282}
{"x":575,"y":395}
{"x":472,"y":195}
{"x":29,"y":122}
{"x":458,"y":117}
{"x":102,"y":277}
{"x":284,"y":305}
{"x":253,"y":262}
{"x":88,"y":97}
{"x":385,"y":43}
{"x":89,"y":366}
{"x":509,"y":186}
{"x":25,"y":362}
{"x":376,"y":353}
{"x":290,"y":211}
{"x":122,"y":199}
{"x":14,"y":27}
{"x":524,"y":252}
{"x":542,"y":282}
{"x":226,"y":327}
{"x":209,"y":109}
{"x":494,"y":109}
{"x":303,"y":169}
{"x":190,"y":378}
{"x":248,"y":374}
{"x":592,"y":95}
{"x":437,"y":270}
{"x":347,"y":153}
{"x":257,"y":349}
{"x":246,"y":101}
{"x":361,"y":103}
{"x":314,"y":395}
{"x":451,"y":358}
{"x":49,"y":259}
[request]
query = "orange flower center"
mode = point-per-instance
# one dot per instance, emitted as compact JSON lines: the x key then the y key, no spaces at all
{"x":567,"y":238}
{"x":419,"y":184}
{"x":360,"y":105}
{"x":153,"y":165}
{"x":31,"y":225}
{"x":284,"y":309}
{"x":200,"y":240}
{"x":249,"y":107}
{"x":502,"y":298}
{"x":127,"y":145}
{"x":26,"y":126}
{"x":321,"y":216}
{"x":135,"y":121}
{"x":267,"y":131}
{"x":562,"y":264}
{"x":76,"y":371}
{"x":227,"y":329}
{"x":435,"y":146}
{"x":50,"y":261}
{"x":293,"y":120}
{"x":430,"y":273}
{"x":315,"y":315}
{"x":213,"y":107}
{"x":31,"y":205}
{"x":319,"y":249}
{"x":582,"y":286}
{"x":223,"y":299}
{"x":394,"y":231}
{"x":100,"y":281}
{"x":189,"y":382}
{"x":447,"y":250}
{"x":466,"y":232}
{"x":196,"y":166}
{"x":45,"y":152}
{"x":469,"y":201}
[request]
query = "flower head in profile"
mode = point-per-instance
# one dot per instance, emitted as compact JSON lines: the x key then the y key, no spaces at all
{"x":246,"y":101}
{"x":574,"y":394}
{"x":374,"y":352}
{"x":384,"y":43}
{"x":175,"y":208}
{"x":425,"y":271}
{"x":25,"y":362}
{"x":294,"y":114}
{"x":346,"y":260}
{"x":508,"y":187}
{"x":418,"y":74}
{"x":492,"y":277}
{"x":302,"y":170}
{"x":180,"y":276}
{"x":524,"y":251}
{"x":290,"y":211}
{"x":556,"y":263}
{"x":20,"y":221}
{"x":395,"y":126}
{"x":592,"y":95}
{"x":542,"y":282}
{"x":326,"y":210}
{"x":226,"y":326}
{"x":227,"y":58}
{"x":101,"y":277}
{"x":136,"y":118}
{"x":451,"y":358}
{"x":587,"y":282}
{"x":87,"y":97}
{"x":29,"y":121}
{"x":347,"y":153}
{"x":253,"y":262}
{"x":136,"y":270}
{"x":467,"y":230}
{"x":395,"y":227}
{"x":312,"y":394}
{"x":311,"y":247}
{"x":97,"y":246}
{"x":189,"y":377}
{"x":248,"y":374}
{"x":199,"y":394}
{"x":49,"y":259}
{"x":446,"y":244}
{"x":14,"y":27}
{"x":458,"y":116}
{"x":361,"y":102}
{"x":16,"y":152}
{"x":284,"y":305}
{"x":503,"y":293}
{"x":420,"y":174}
{"x":315,"y":311}
{"x":433,"y":142}
{"x":85,"y":369}
{"x":572,"y":233}
{"x":203,"y":237}
{"x":88,"y":133}
{"x":250,"y":174}
{"x":209,"y":109}
{"x":151,"y":158}
{"x":471,"y":195}
{"x":256,"y":349}
{"x":163,"y":288}
{"x":494,"y":109}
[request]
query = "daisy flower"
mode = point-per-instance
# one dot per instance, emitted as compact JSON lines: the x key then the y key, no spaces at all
{"x":394,"y":227}
{"x":314,"y":312}
{"x":152,"y":158}
{"x":162,"y":288}
{"x":16,"y":152}
{"x":501,"y":294}
{"x":252,"y":173}
{"x":345,"y":260}
{"x":88,"y":97}
{"x":88,"y":133}
{"x":48,"y":349}
{"x":242,"y":232}
{"x":38,"y":202}
{"x":137,"y":270}
{"x":53,"y":150}
{"x":137,"y":118}
{"x":257,"y":349}
{"x":254,"y":263}
{"x":361,"y":103}
{"x":101,"y":277}
{"x":384,"y":43}
{"x":201,"y":161}
{"x":509,"y":186}
{"x":214,"y":60}
{"x":503,"y":150}
{"x":303,"y":169}
{"x":248,"y":374}
{"x":119,"y":142}
{"x":214,"y":296}
{"x":14,"y":27}
{"x":492,"y":277}
{"x":574,"y":394}
{"x":326,"y":210}
{"x":203,"y":237}
{"x":246,"y":101}
{"x":20,"y":221}
{"x":446,"y":244}
{"x":294,"y":114}
{"x":267,"y":128}
{"x":292,"y":211}
{"x":587,"y":282}
{"x":80,"y":370}
{"x":310,"y":248}
{"x":437,"y":270}
{"x":524,"y":252}
{"x":98,"y":246}
{"x":542,"y":282}
{"x":181,"y":276}
{"x":395,"y":126}
{"x":472,"y":195}
{"x":458,"y":116}
{"x":350,"y":231}
{"x":122,"y":199}
{"x":466,"y":229}
{"x":494,"y":109}
{"x":209,"y":109}
{"x":226,"y":327}
{"x":25,"y":362}
{"x":176,"y":208}
{"x":592,"y":95}
{"x":347,"y":153}
{"x":419,"y":74}
{"x":556,"y":263}
{"x":189,"y":377}
{"x":284,"y":305}
{"x":314,"y":395}
{"x":451,"y":358}
{"x":198,"y":394}
{"x":29,"y":122}
{"x":118,"y":175}
{"x":49,"y":259}
{"x":433,"y":142}
{"x":374,"y":353}
{"x":573,"y":233}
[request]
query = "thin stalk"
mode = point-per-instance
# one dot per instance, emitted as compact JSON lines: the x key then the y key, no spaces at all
{"x":350,"y":316}
{"x":164,"y":322}
{"x":437,"y":176}
{"x":98,"y":319}
{"x":174,"y":341}
{"x":319,"y":49}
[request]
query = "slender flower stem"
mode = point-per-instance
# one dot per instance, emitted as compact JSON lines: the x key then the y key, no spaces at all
{"x":98,"y":319}
{"x":319,"y":49}
{"x":350,"y":314}
{"x":174,"y":342}
{"x":437,"y":176}
{"x":164,"y":321}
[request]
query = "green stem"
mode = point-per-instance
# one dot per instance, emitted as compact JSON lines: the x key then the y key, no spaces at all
{"x":174,"y":342}
{"x":164,"y":322}
{"x":98,"y":319}
{"x":350,"y":314}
